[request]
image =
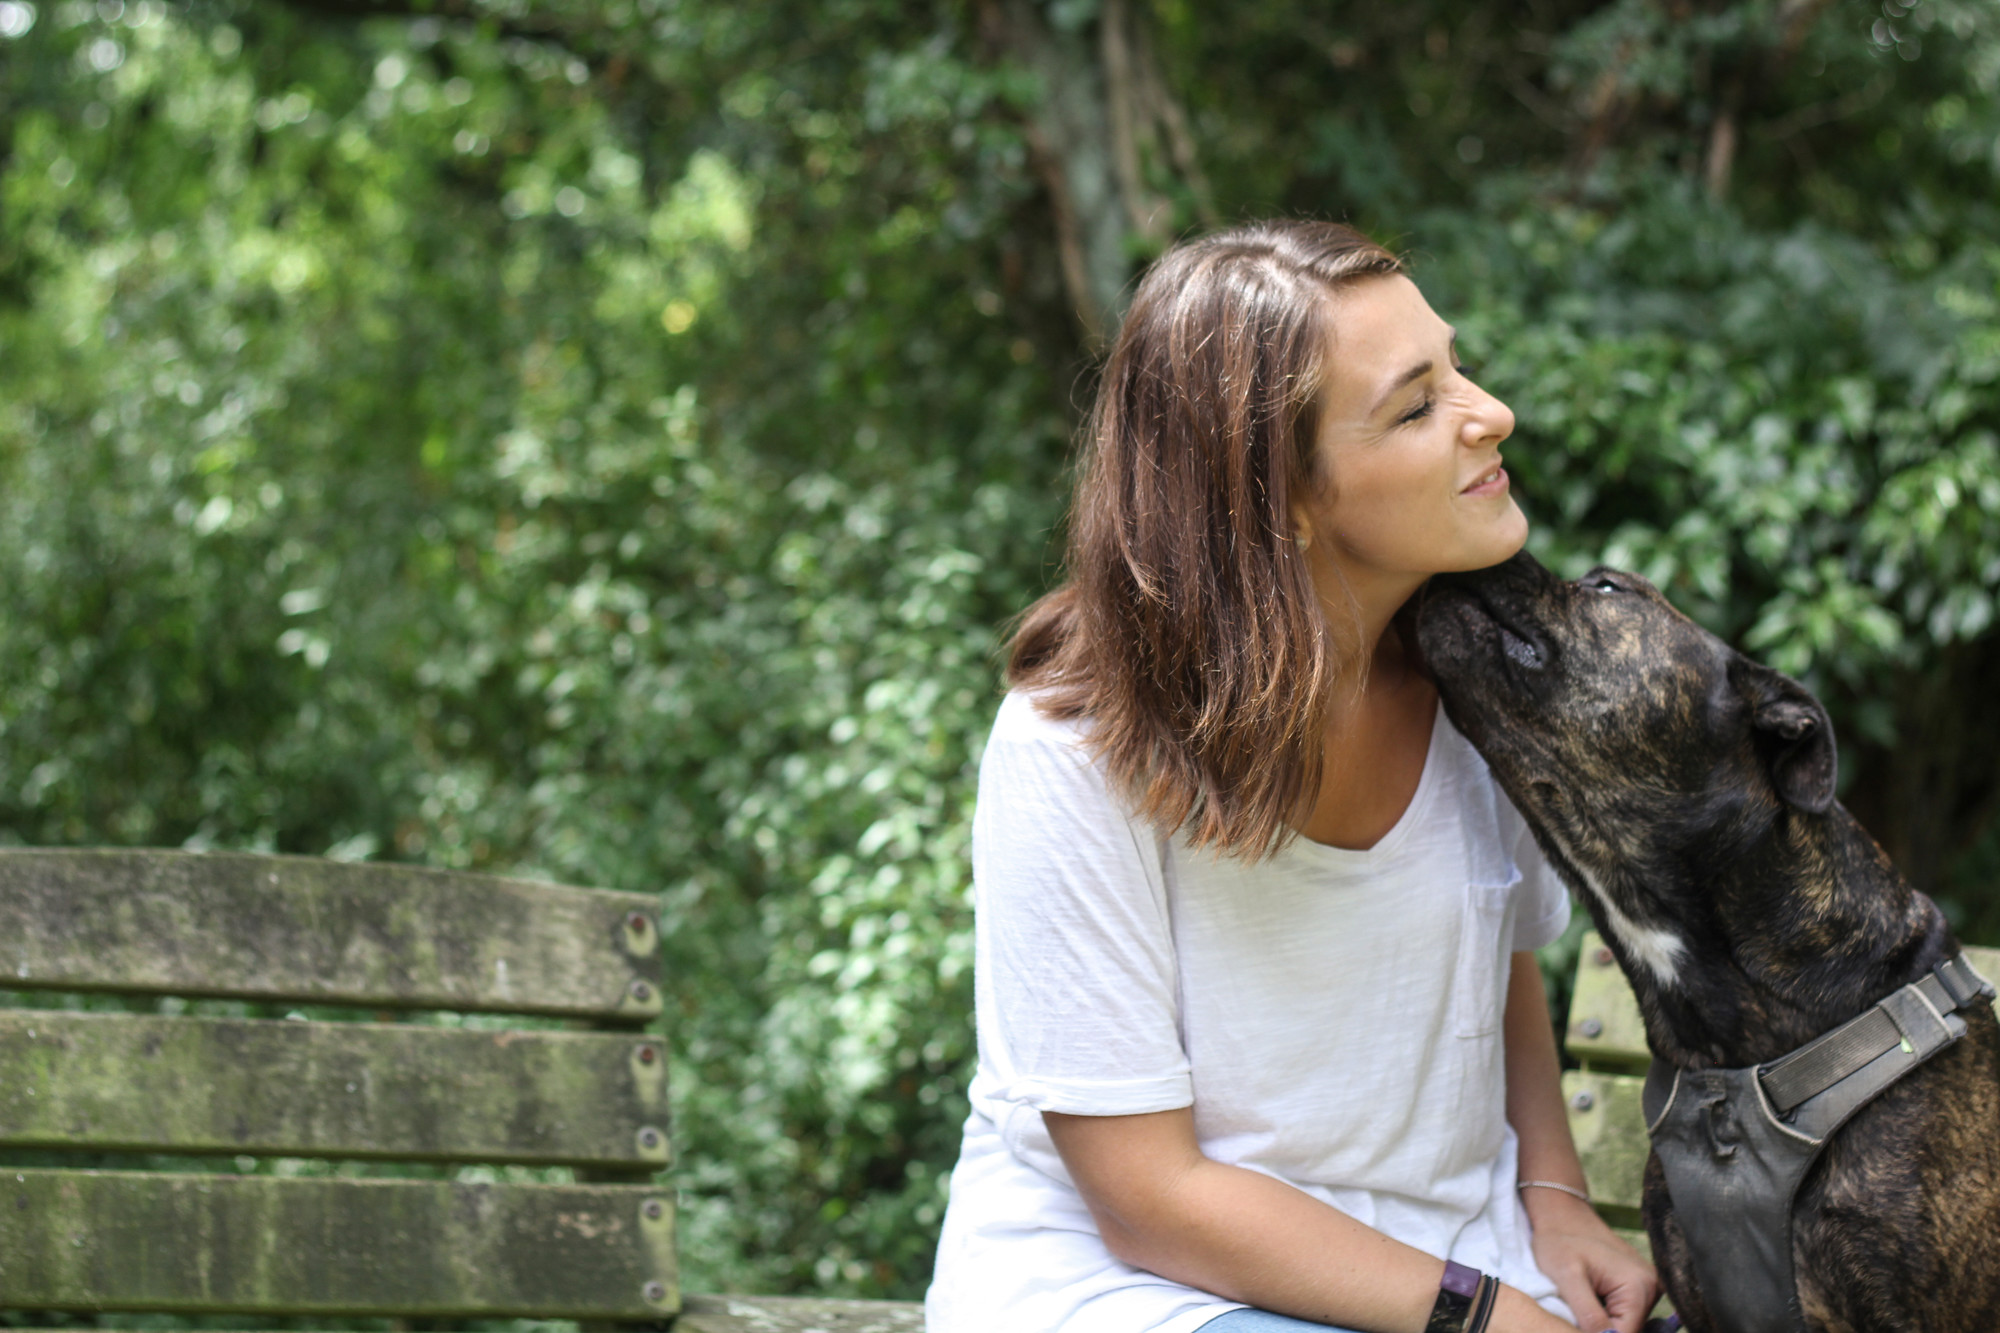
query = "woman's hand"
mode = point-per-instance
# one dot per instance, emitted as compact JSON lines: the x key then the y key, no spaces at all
{"x":1601,"y":1278}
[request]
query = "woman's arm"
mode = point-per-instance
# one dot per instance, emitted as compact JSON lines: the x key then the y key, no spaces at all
{"x":1163,"y":1206}
{"x":1602,"y":1279}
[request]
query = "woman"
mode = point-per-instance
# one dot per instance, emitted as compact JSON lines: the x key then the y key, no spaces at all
{"x":1261,"y":1035}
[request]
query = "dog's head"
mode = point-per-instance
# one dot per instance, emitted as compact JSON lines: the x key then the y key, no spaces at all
{"x":1640,"y":747}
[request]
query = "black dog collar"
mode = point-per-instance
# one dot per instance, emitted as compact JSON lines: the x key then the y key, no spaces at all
{"x":1735,"y":1143}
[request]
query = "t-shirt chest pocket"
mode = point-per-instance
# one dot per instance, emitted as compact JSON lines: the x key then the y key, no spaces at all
{"x":1479,"y":990}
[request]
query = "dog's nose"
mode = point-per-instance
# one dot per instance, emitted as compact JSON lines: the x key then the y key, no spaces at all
{"x":1519,"y":651}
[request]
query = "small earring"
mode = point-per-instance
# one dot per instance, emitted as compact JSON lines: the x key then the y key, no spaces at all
{"x":1303,"y":540}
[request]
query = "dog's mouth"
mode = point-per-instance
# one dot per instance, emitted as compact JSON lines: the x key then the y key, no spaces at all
{"x":1519,"y":642}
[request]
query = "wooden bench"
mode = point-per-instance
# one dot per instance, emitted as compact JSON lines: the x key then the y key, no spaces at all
{"x":331,"y":1090}
{"x":334,"y":1090}
{"x":1607,"y":1038}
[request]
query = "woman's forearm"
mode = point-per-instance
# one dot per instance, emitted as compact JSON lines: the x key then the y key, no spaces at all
{"x":1164,"y":1207}
{"x":1604,"y":1281}
{"x":1534,"y":1084}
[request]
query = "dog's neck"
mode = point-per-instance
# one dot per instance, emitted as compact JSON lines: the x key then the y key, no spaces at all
{"x":1806,"y":928}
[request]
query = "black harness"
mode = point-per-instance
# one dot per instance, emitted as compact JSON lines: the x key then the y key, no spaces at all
{"x":1735,"y":1143}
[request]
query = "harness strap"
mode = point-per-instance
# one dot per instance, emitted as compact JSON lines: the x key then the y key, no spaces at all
{"x":1734,"y":1144}
{"x":1914,"y":1023}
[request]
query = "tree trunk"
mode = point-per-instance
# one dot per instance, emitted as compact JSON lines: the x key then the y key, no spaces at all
{"x":1102,"y":130}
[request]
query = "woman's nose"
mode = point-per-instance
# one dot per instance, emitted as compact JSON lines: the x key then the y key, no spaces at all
{"x":1489,"y":422}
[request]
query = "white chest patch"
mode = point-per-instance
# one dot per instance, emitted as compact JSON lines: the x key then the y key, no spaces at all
{"x":1658,"y":949}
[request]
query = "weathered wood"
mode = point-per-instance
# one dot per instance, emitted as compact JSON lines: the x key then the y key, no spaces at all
{"x":1605,"y":1030}
{"x":1610,"y":1133}
{"x":1988,"y":963}
{"x":797,"y":1314}
{"x":275,"y":1088}
{"x":131,"y":1240}
{"x":300,"y":929}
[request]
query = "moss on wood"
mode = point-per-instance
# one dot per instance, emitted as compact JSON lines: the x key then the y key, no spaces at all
{"x":273,"y":1088}
{"x":131,"y":1240}
{"x":299,"y":929}
{"x":1610,"y":1134}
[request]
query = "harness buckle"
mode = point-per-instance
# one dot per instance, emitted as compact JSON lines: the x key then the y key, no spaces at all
{"x":1943,"y":972}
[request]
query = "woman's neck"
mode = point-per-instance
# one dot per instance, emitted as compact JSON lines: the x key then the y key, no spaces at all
{"x":1359,"y":606}
{"x":1377,"y":739}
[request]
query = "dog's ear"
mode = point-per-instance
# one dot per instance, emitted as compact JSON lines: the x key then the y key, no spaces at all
{"x":1793,"y":733}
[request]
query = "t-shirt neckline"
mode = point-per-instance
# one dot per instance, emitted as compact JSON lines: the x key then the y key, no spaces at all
{"x":1353,"y":859}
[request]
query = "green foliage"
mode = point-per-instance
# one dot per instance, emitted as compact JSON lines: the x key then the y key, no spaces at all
{"x":603,"y":442}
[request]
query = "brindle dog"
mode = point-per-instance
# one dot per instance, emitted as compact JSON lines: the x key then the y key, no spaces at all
{"x":1686,"y":795}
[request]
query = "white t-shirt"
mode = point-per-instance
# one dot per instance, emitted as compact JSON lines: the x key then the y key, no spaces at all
{"x":1332,"y":1016}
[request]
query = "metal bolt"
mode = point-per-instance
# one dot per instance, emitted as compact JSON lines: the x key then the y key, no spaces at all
{"x":1591,"y":1027}
{"x":647,"y":1055}
{"x":654,"y":1209}
{"x":1603,"y":956}
{"x":1583,"y":1101}
{"x":655,"y":1291}
{"x":649,"y":1137}
{"x":641,"y":991}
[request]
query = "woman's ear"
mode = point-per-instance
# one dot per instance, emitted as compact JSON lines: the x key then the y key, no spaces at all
{"x":1302,"y":528}
{"x":1794,"y":736}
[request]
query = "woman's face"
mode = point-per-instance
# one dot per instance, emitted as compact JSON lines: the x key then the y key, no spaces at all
{"x":1409,"y":448}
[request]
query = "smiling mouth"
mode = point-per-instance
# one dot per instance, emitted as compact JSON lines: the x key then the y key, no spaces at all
{"x":1489,"y":477}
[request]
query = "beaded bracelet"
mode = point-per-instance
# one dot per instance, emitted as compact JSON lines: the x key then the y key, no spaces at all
{"x":1465,"y":1300}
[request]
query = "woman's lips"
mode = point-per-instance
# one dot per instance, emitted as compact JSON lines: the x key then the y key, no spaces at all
{"x":1490,"y":482}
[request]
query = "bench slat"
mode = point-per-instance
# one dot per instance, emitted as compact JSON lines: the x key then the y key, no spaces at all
{"x":1605,"y":1029}
{"x":131,"y":1240}
{"x":1988,"y":963}
{"x":1610,"y":1133}
{"x":294,"y":1089}
{"x":300,"y":929}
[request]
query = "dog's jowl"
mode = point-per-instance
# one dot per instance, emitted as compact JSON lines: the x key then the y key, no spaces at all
{"x":1686,"y":794}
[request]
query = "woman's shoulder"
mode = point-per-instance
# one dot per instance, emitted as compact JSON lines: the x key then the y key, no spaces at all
{"x":1037,"y":719}
{"x":1035,"y":746}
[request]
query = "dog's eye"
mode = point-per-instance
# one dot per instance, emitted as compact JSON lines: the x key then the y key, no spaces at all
{"x":1602,"y":584}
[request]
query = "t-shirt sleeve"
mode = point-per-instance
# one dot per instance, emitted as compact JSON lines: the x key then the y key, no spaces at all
{"x":1075,"y":969}
{"x":1544,"y":909}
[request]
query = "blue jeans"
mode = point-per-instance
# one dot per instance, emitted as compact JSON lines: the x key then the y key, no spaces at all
{"x":1262,"y":1321}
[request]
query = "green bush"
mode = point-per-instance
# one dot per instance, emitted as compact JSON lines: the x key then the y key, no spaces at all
{"x":605,"y":442}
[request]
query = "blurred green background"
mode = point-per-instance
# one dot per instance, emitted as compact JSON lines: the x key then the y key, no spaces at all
{"x":602,"y":439}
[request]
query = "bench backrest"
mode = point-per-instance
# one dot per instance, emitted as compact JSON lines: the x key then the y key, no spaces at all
{"x":193,"y":1156}
{"x":1607,"y":1037}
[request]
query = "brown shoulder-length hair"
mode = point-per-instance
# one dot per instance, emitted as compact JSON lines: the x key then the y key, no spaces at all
{"x":1188,"y":630}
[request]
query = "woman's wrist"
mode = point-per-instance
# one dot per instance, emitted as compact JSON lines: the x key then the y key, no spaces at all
{"x":1515,"y":1312}
{"x":1465,"y":1300}
{"x":1554,"y":1207}
{"x":1472,"y":1302}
